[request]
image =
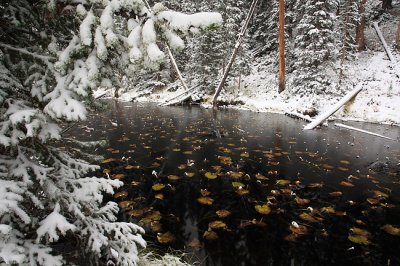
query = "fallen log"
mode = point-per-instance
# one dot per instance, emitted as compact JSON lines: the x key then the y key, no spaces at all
{"x":322,"y":117}
{"x":171,"y":101}
{"x":363,"y":131}
{"x":388,"y":52}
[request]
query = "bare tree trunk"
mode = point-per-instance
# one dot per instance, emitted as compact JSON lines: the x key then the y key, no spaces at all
{"x":360,"y":37}
{"x":398,"y":36}
{"x":387,"y":4}
{"x":281,"y":46}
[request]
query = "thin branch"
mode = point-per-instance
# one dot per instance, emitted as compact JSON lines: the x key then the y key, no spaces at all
{"x":44,"y":58}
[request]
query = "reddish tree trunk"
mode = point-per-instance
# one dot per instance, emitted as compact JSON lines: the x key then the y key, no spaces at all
{"x":360,"y":37}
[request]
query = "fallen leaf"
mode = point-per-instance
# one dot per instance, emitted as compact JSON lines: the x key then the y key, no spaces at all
{"x":130,"y":167}
{"x":346,"y":184}
{"x":223,"y":213}
{"x":235,"y":175}
{"x":118,"y":176}
{"x":189,"y":174}
{"x":263,"y":209}
{"x":217,"y":225}
{"x":380,"y":194}
{"x":121,"y":194}
{"x":159,"y":196}
{"x":205,"y":200}
{"x":316,"y":185}
{"x":210,"y":235}
{"x":173,"y":177}
{"x":390,"y":229}
{"x":282,"y":182}
{"x":137,"y":213}
{"x":210,"y":175}
{"x":359,"y":231}
{"x":359,"y":239}
{"x":237,"y":184}
{"x":106,"y":171}
{"x":301,"y":201}
{"x":205,"y":192}
{"x":245,"y":154}
{"x":158,"y":187}
{"x":242,"y":191}
{"x":310,"y":218}
{"x":261,"y":177}
{"x":108,"y":160}
{"x":336,"y":194}
{"x":155,"y":226}
{"x":373,"y":201}
{"x":298,"y":230}
{"x":195,"y":244}
{"x":125,"y":204}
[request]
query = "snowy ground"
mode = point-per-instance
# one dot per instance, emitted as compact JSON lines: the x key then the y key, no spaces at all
{"x":379,"y":100}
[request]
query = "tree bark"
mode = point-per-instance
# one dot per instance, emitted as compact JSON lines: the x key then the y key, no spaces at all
{"x":387,"y":4}
{"x":281,"y":46}
{"x":360,"y":37}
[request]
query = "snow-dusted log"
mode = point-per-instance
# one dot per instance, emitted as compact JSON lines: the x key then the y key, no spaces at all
{"x":172,"y":101}
{"x":322,"y":117}
{"x":235,"y":51}
{"x":388,"y":52}
{"x":362,"y":130}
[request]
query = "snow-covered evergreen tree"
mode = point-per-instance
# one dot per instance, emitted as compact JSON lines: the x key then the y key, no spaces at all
{"x":314,"y":45}
{"x":52,"y":54}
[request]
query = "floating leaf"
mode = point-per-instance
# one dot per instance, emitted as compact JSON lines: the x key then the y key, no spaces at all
{"x":158,"y":187}
{"x":204,"y":192}
{"x":273,"y":163}
{"x":121,"y":194}
{"x":223,"y":213}
{"x":329,"y":210}
{"x":310,"y":218}
{"x":210,"y":235}
{"x":165,"y":238}
{"x":225,"y":160}
{"x":336,"y":194}
{"x":282,"y":182}
{"x":244,"y":154}
{"x":359,"y":239}
{"x":261,"y":177}
{"x":115,"y":151}
{"x":359,"y":231}
{"x":118,"y":176}
{"x":159,"y":196}
{"x":217,"y":168}
{"x":380,"y":194}
{"x":106,"y":171}
{"x":327,"y":166}
{"x":182,"y":166}
{"x":344,"y":169}
{"x":205,"y":200}
{"x":125,"y":204}
{"x":263,"y":209}
{"x":301,"y":201}
{"x":291,"y":237}
{"x":147,"y":147}
{"x":316,"y":185}
{"x":346,"y":184}
{"x":217,"y":225}
{"x":176,"y":150}
{"x":155,"y":226}
{"x":345,"y":162}
{"x":130,"y":167}
{"x":189,"y":174}
{"x":154,"y":216}
{"x":108,"y":160}
{"x":195,"y":244}
{"x":390,"y":229}
{"x":137,"y":213}
{"x":210,"y":175}
{"x":298,"y":229}
{"x":235,"y":174}
{"x":237,"y":184}
{"x":173,"y":177}
{"x":373,"y":201}
{"x":242,"y":191}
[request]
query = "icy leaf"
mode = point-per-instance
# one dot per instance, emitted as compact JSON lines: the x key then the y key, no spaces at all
{"x":263,"y":209}
{"x":359,"y":239}
{"x":390,"y":229}
{"x":205,"y":200}
{"x":237,"y":184}
{"x":217,"y":225}
{"x":210,"y":235}
{"x":210,"y":175}
{"x":158,"y":187}
{"x":165,"y":238}
{"x":223,"y":213}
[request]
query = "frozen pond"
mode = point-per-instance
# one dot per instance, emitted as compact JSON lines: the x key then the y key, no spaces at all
{"x":241,"y":188}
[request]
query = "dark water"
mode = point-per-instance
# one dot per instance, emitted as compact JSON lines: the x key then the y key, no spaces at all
{"x":324,"y":204}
